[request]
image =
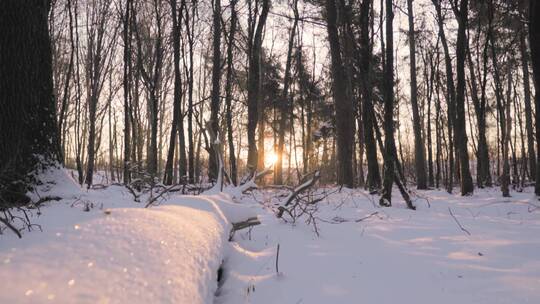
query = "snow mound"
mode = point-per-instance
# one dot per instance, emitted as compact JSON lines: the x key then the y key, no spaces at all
{"x":166,"y":254}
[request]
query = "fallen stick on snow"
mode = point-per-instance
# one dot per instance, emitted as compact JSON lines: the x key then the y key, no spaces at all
{"x":459,"y":224}
{"x":277,"y":260}
{"x":252,"y":221}
{"x":366,"y":217}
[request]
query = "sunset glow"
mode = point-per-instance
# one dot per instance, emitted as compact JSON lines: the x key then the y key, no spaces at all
{"x":270,"y":159}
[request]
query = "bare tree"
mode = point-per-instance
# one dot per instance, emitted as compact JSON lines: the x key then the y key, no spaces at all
{"x":467,"y":186}
{"x":284,"y":105}
{"x":254,"y":78}
{"x":176,"y":29}
{"x":98,"y":64}
{"x":342,"y":101}
{"x":228,"y":92}
{"x":420,"y":158}
{"x":149,"y":65}
{"x":215,"y":97}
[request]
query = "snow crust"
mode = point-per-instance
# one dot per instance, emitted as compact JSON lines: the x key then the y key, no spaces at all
{"x":117,"y":252}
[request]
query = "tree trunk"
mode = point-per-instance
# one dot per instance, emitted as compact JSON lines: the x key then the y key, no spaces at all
{"x":343,"y":102}
{"x":28,"y":127}
{"x":216,"y":77}
{"x":534,"y":43}
{"x":483,"y":176}
{"x":388,"y":95}
{"x":420,"y":158}
{"x":451,"y":94}
{"x":254,"y":80}
{"x":176,"y":24}
{"x":191,"y":143}
{"x":127,"y":91}
{"x":65,"y":96}
{"x":467,"y":186}
{"x":228,"y":93}
{"x":285,"y":107}
{"x":373,"y":180}
{"x":527,"y":101}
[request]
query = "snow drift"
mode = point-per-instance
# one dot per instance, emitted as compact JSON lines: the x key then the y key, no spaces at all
{"x":117,"y":252}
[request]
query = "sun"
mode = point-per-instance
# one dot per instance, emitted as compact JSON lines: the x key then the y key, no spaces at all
{"x":270,"y":159}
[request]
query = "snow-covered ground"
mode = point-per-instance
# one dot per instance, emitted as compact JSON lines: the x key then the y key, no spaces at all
{"x":119,"y":252}
{"x":394,"y":256}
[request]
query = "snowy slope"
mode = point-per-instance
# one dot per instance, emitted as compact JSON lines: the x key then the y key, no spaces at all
{"x":117,"y":252}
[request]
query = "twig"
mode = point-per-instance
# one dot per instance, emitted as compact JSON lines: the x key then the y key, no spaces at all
{"x":8,"y":224}
{"x":366,"y":217}
{"x":277,"y":260}
{"x":304,"y":186}
{"x":459,"y":224}
{"x":132,"y":191}
{"x":152,"y":200}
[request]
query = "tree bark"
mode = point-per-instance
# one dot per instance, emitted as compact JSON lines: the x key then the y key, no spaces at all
{"x":127,"y":91}
{"x":467,"y":186}
{"x":228,"y":93}
{"x":388,"y":95}
{"x":215,"y":98}
{"x":28,"y":128}
{"x":373,"y":180}
{"x":176,"y":29}
{"x":342,"y":102}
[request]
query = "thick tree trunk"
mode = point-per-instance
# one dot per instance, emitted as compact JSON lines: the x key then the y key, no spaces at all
{"x":343,"y":102}
{"x":388,"y":95}
{"x":28,"y":127}
{"x":467,"y":186}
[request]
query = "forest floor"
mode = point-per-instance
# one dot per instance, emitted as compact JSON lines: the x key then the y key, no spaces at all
{"x":99,"y":246}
